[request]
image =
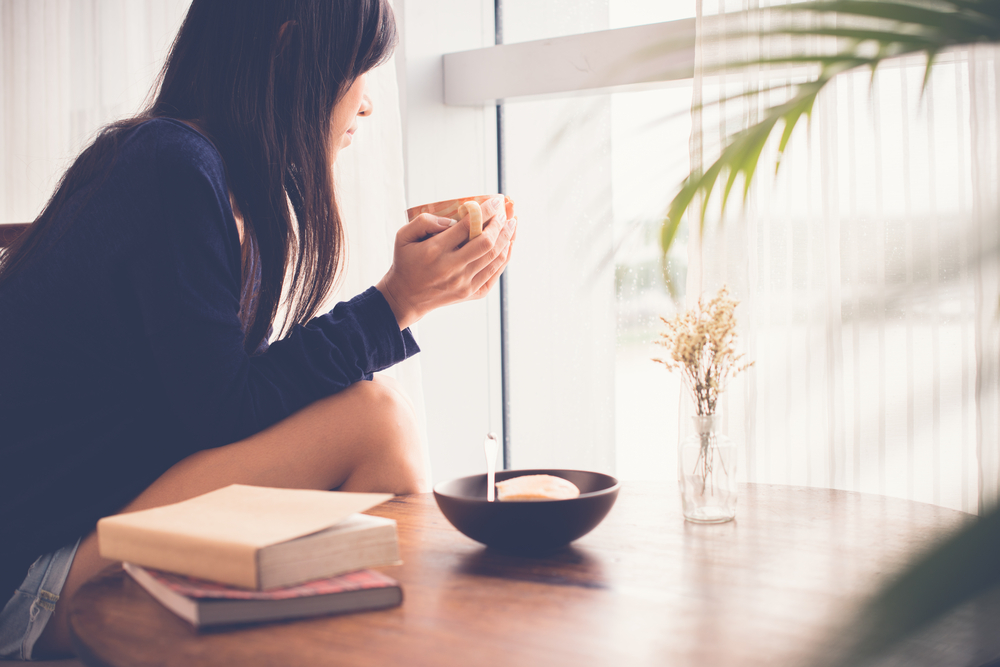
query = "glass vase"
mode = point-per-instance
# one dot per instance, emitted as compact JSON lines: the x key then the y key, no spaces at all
{"x":706,"y":472}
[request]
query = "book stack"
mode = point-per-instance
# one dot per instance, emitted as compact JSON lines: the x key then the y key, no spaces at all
{"x":250,"y":554}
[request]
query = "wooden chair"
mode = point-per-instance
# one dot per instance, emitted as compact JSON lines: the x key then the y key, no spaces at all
{"x":9,"y":232}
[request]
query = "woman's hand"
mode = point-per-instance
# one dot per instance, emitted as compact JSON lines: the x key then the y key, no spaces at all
{"x":434,"y":264}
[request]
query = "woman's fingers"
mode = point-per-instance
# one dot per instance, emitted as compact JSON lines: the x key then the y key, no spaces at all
{"x":458,"y":236}
{"x":493,"y":206}
{"x":422,"y":226}
{"x":504,"y":234}
{"x":434,"y":264}
{"x":488,"y":275}
{"x":482,"y":245}
{"x":491,"y":263}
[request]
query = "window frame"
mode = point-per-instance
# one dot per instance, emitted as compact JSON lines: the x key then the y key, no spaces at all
{"x":592,"y":62}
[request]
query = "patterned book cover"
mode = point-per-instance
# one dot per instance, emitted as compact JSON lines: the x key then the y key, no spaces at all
{"x":205,"y":603}
{"x":200,"y":589}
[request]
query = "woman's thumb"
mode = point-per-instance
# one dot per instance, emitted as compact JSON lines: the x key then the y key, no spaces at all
{"x":422,"y":226}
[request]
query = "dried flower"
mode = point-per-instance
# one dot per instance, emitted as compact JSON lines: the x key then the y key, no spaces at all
{"x":702,"y":346}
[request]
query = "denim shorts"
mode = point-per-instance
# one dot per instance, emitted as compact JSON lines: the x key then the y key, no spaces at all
{"x":25,"y":615}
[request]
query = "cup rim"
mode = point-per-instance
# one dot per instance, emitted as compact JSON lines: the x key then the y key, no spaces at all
{"x":455,"y":200}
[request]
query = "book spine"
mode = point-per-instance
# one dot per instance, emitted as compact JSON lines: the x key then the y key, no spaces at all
{"x":223,"y":562}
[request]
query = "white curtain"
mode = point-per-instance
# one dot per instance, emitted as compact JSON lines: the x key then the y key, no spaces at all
{"x":67,"y":67}
{"x":868,"y":275}
{"x":373,"y":202}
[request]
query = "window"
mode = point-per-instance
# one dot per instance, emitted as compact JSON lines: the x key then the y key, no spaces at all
{"x":591,"y":175}
{"x":859,"y":289}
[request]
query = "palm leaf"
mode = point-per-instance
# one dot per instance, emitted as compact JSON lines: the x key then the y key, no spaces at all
{"x":962,"y":568}
{"x":904,"y":28}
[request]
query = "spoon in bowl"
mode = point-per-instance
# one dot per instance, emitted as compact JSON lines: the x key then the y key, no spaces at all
{"x":491,"y":446}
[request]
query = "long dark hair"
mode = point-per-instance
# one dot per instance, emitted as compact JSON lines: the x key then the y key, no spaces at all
{"x":260,"y":78}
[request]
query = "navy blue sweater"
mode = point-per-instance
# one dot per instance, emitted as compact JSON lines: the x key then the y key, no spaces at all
{"x":121,"y":348}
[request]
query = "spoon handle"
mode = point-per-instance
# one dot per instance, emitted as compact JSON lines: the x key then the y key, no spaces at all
{"x":491,"y":446}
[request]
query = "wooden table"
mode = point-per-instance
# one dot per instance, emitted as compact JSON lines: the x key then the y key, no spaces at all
{"x":644,"y":588}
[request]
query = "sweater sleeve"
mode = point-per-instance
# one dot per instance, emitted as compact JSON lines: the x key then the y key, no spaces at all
{"x":186,"y":277}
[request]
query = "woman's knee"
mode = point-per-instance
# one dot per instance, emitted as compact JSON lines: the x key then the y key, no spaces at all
{"x":391,"y":455}
{"x":390,"y":383}
{"x":383,"y":404}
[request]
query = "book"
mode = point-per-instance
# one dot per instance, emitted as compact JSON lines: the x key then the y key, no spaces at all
{"x":255,"y":537}
{"x":205,"y":603}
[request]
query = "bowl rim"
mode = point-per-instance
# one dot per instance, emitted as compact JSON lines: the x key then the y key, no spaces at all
{"x":528,"y":471}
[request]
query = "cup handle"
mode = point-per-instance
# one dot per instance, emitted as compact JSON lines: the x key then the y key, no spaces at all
{"x":475,"y":214}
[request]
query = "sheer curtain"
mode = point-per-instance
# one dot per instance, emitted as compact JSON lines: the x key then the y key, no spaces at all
{"x":66,"y":68}
{"x":867,"y":271}
{"x":69,"y":66}
{"x":370,"y":185}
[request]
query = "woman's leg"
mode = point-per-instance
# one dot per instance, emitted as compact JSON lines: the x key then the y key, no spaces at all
{"x":361,"y":439}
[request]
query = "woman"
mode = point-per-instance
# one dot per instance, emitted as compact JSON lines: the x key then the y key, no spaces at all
{"x":135,"y":311}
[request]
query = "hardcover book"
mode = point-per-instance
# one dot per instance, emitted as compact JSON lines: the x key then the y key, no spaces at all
{"x":204,"y":603}
{"x":255,"y":537}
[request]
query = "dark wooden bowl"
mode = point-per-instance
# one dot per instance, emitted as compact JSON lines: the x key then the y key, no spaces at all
{"x":527,"y":526}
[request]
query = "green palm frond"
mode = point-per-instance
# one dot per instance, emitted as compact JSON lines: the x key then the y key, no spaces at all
{"x":897,"y":29}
